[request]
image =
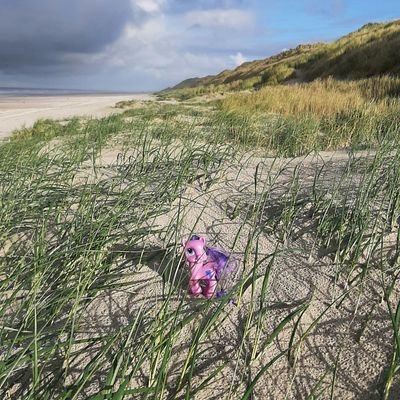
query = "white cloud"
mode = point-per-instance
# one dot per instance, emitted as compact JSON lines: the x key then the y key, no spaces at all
{"x":221,"y":18}
{"x":159,"y":48}
{"x":149,"y":6}
{"x":238,"y":58}
{"x":157,"y":51}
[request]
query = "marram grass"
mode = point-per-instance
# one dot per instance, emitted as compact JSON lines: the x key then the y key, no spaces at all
{"x":77,"y":232}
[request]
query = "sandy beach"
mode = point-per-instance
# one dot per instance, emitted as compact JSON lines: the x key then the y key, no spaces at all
{"x":19,"y":111}
{"x":311,"y":313}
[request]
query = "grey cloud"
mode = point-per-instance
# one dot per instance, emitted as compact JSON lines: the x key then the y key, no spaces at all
{"x":83,"y":44}
{"x":41,"y":32}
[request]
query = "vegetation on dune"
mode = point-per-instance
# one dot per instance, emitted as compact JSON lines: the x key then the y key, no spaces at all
{"x":373,"y":50}
{"x":60,"y":220}
{"x":321,"y":115}
{"x":288,"y":120}
{"x":80,"y":237}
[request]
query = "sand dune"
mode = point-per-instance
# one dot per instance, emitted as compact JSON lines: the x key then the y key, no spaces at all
{"x":19,"y":111}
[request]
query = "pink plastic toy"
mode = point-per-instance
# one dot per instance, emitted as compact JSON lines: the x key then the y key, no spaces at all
{"x":207,"y":266}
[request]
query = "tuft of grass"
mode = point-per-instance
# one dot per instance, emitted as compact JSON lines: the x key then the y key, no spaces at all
{"x":83,"y":233}
{"x":322,"y":115}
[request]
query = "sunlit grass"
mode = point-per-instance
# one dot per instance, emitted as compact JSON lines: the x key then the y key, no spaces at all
{"x":322,"y":115}
{"x":371,"y":51}
{"x":94,"y":301}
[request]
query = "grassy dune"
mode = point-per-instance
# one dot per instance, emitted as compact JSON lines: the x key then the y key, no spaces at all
{"x":371,"y":51}
{"x":321,"y":115}
{"x":94,"y":295}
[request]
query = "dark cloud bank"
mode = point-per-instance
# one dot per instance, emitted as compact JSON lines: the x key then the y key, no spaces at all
{"x":69,"y":43}
{"x":40,"y":33}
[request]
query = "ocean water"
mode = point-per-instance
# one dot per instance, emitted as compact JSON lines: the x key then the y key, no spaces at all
{"x":7,"y":91}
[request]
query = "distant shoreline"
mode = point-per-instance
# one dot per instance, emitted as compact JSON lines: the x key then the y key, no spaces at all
{"x":45,"y":92}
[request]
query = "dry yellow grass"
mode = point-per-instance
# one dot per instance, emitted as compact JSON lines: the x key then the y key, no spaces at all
{"x":321,"y":98}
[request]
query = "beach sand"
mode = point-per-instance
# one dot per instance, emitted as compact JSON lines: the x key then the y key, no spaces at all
{"x":300,"y":274}
{"x":19,"y":111}
{"x":349,"y":349}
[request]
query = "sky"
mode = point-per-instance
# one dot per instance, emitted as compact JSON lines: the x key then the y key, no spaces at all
{"x":147,"y":45}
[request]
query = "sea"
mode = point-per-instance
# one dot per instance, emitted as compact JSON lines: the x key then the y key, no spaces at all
{"x":10,"y":91}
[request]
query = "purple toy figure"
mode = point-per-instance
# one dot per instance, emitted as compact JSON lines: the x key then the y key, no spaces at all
{"x":207,"y":266}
